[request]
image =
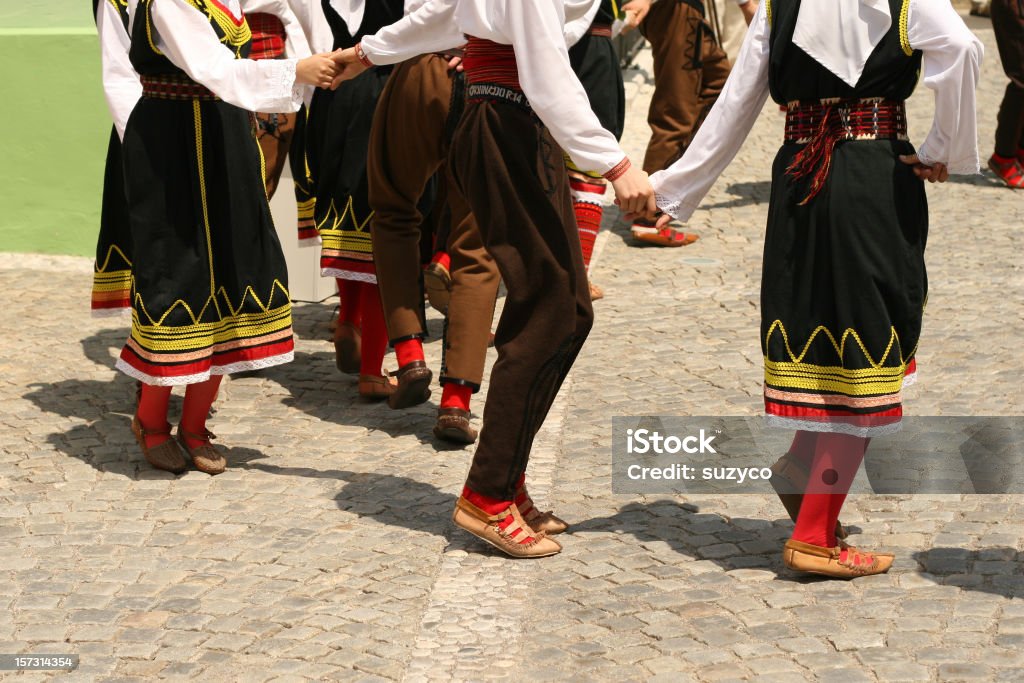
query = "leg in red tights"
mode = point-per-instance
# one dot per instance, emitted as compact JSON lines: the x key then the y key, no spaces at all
{"x":152,"y":414}
{"x":837,"y":458}
{"x":199,"y":399}
{"x":375,"y":333}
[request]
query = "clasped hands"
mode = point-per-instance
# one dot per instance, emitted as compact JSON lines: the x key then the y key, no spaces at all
{"x":328,"y":70}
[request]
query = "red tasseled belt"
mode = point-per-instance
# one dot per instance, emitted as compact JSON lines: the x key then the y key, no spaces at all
{"x":603,"y":30}
{"x":821,"y":125}
{"x":268,"y":36}
{"x":174,"y":87}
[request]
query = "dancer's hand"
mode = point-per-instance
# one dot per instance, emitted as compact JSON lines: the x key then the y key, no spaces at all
{"x":318,"y":70}
{"x":455,"y":63}
{"x":934,"y":173}
{"x":633,"y":192}
{"x":348,"y":65}
{"x":636,"y":11}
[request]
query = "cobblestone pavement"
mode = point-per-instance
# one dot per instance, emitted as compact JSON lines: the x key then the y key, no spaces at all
{"x":326,"y":550}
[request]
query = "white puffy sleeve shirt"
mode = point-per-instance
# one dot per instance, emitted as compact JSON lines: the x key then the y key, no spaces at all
{"x":537,"y":31}
{"x":184,"y":35}
{"x":121,"y":85}
{"x":951,"y":64}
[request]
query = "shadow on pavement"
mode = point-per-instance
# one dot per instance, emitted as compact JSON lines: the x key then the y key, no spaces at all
{"x":996,"y":570}
{"x":388,"y":499}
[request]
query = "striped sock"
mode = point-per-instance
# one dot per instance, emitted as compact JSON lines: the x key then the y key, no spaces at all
{"x":588,"y":205}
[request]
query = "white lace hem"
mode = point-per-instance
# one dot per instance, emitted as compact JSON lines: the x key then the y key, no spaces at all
{"x":834,"y":426}
{"x":231,"y":368}
{"x":349,"y":275}
{"x":119,"y":312}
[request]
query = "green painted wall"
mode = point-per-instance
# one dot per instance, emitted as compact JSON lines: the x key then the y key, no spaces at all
{"x":55,"y":132}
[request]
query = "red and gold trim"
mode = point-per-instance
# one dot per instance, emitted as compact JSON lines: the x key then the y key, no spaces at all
{"x":618,"y":170}
{"x":600,"y":30}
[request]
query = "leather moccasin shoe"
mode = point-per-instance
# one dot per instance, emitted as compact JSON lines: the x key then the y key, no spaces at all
{"x":839,"y":562}
{"x":509,"y":540}
{"x":166,"y":456}
{"x":453,"y":425}
{"x":413,"y":385}
{"x":206,"y":457}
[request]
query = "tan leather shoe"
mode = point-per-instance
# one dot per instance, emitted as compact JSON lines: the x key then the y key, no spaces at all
{"x":508,"y":540}
{"x":413,"y":385}
{"x":438,"y":283}
{"x":453,"y":425}
{"x":547,"y":522}
{"x":789,"y":479}
{"x":347,"y":348}
{"x":206,"y":457}
{"x":166,"y":456}
{"x":838,"y":562}
{"x":376,"y":387}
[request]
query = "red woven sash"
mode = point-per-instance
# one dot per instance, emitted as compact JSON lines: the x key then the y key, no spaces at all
{"x":268,"y":36}
{"x":822,"y":125}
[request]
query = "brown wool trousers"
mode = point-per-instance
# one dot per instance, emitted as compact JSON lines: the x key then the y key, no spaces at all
{"x":409,"y":143}
{"x":275,"y":133}
{"x":689,"y":72}
{"x":1008,"y":22}
{"x":511,"y":171}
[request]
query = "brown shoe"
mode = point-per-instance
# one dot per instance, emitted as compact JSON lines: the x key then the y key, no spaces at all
{"x":789,"y":477}
{"x":453,"y":425}
{"x":166,"y":456}
{"x":413,"y":385}
{"x":376,"y":387}
{"x":438,"y":283}
{"x":595,"y":292}
{"x":547,"y":522}
{"x":347,"y":348}
{"x":206,"y":457}
{"x":507,"y":540}
{"x":838,"y":562}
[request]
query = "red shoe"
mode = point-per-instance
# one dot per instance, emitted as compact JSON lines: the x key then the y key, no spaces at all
{"x":647,"y":233}
{"x":1010,"y":172}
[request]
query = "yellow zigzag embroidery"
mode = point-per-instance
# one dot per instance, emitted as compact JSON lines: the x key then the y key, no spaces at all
{"x":840,"y":347}
{"x":110,"y":253}
{"x":349,"y":210}
{"x":265,"y":308}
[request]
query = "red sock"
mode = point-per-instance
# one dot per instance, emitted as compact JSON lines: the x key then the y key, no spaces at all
{"x":152,"y":412}
{"x":442,"y":258}
{"x":588,"y":207}
{"x":408,"y":351}
{"x":493,"y":506}
{"x":1000,"y":159}
{"x":456,"y":396}
{"x":812,"y":524}
{"x":198,"y":400}
{"x":348,"y":309}
{"x":374,"y":331}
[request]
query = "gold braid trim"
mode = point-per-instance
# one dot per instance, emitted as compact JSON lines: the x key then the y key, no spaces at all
{"x":768,"y":10}
{"x":235,"y":35}
{"x":904,"y":29}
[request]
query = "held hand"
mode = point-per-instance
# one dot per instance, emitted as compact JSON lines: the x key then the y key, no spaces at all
{"x":318,"y":70}
{"x":455,"y":63}
{"x":935,"y":173}
{"x":633,"y":192}
{"x":636,"y":11}
{"x":348,"y":65}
